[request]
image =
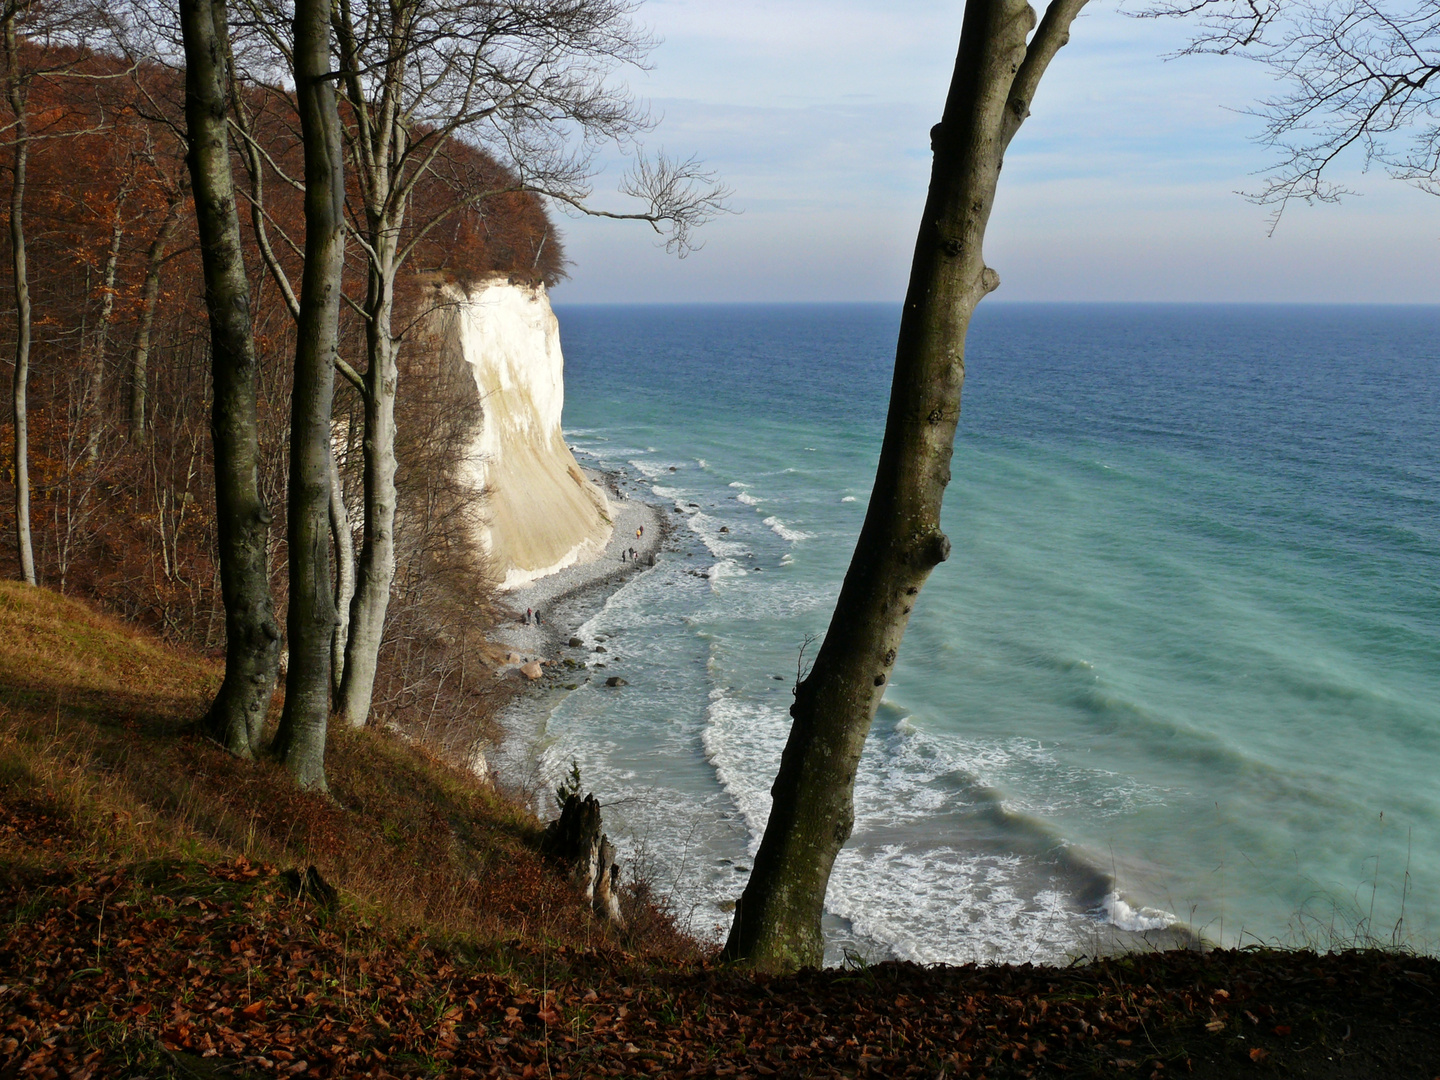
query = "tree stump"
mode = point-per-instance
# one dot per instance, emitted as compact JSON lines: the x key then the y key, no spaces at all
{"x":575,"y":840}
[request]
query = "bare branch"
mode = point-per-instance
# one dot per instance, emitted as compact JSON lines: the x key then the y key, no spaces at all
{"x":1361,"y":77}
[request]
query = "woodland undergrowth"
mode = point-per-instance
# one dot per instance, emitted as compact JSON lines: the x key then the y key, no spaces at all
{"x":159,"y":916}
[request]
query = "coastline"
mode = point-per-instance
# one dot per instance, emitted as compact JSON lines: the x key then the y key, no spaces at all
{"x":559,"y":596}
{"x":565,"y":600}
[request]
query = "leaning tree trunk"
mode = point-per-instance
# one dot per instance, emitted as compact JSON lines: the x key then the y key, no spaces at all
{"x":777,"y":920}
{"x":252,"y":636}
{"x":140,"y":354}
{"x":377,"y":548}
{"x":20,"y":140}
{"x":300,"y":740}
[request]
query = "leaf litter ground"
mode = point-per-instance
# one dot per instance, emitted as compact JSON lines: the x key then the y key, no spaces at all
{"x":142,"y":937}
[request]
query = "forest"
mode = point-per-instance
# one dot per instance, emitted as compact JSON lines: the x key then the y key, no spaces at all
{"x":119,"y":454}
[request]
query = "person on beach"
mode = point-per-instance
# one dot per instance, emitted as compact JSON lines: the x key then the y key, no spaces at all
{"x":529,"y":615}
{"x":537,"y":618}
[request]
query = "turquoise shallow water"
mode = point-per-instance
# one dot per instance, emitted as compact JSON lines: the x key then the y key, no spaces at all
{"x":1182,"y":663}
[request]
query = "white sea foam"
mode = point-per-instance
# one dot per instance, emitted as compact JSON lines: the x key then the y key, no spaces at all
{"x":782,"y":530}
{"x":848,"y":498}
{"x":725,"y":568}
{"x":743,"y":741}
{"x":941,"y":905}
{"x":702,"y":463}
{"x":708,"y":529}
{"x":652,"y":470}
{"x":738,"y":484}
{"x":748,"y":500}
{"x":1122,"y":915}
{"x":665,"y":492}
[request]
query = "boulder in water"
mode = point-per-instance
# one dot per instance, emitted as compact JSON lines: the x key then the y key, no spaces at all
{"x":575,"y":643}
{"x":531,"y":670}
{"x":616,"y":680}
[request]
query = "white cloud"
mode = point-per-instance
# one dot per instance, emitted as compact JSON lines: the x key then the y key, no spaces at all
{"x":1120,"y":186}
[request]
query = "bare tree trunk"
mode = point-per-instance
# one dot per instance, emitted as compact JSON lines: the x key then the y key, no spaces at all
{"x":376,"y":571}
{"x":344,"y":574}
{"x":252,"y":642}
{"x":300,"y":741}
{"x":94,"y":397}
{"x":777,"y":920}
{"x":140,"y":355}
{"x":576,"y":839}
{"x":15,"y":90}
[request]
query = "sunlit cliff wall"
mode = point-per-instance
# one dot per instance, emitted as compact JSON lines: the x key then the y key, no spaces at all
{"x":539,"y":514}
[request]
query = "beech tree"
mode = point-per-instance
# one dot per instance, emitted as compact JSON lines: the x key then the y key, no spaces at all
{"x":1358,"y":77}
{"x":252,"y":638}
{"x":17,"y":79}
{"x":425,"y":83}
{"x":999,"y":65}
{"x":300,"y":740}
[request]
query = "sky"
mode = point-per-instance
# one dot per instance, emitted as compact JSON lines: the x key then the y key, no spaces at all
{"x":1122,"y":186}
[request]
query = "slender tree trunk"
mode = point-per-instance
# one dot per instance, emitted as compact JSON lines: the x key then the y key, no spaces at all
{"x":20,"y":137}
{"x":344,"y":574}
{"x":300,"y":742}
{"x":777,"y":920}
{"x":94,"y":403}
{"x":376,"y":571}
{"x":140,"y":355}
{"x":252,"y":642}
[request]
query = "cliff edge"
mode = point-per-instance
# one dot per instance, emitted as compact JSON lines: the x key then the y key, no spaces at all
{"x":540,"y":514}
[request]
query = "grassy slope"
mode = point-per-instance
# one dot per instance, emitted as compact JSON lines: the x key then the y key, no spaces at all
{"x":147,"y":927}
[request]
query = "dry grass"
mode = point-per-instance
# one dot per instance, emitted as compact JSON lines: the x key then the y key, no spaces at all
{"x":96,"y":727}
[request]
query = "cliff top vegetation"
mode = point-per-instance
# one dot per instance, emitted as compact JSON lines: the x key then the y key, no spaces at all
{"x":159,"y":919}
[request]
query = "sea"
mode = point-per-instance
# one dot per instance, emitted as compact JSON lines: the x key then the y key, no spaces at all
{"x":1180,"y":675}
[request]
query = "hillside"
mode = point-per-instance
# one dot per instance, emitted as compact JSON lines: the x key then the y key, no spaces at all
{"x":159,"y":920}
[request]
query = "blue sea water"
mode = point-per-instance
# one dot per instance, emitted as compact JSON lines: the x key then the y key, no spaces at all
{"x":1183,"y":664}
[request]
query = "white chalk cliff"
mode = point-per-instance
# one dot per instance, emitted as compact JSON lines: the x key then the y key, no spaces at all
{"x":540,"y":513}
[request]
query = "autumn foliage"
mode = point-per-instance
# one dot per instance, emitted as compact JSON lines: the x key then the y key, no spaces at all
{"x":158,"y":916}
{"x":123,"y":514}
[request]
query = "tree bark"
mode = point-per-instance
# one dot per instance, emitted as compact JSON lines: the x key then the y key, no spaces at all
{"x":576,"y":840}
{"x":140,"y":354}
{"x":376,"y":570}
{"x":300,"y":741}
{"x":15,"y":92}
{"x":344,"y":574}
{"x":95,"y":397}
{"x":252,"y":636}
{"x":777,"y":920}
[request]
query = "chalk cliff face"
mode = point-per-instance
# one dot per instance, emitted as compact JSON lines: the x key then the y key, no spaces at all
{"x":539,"y":513}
